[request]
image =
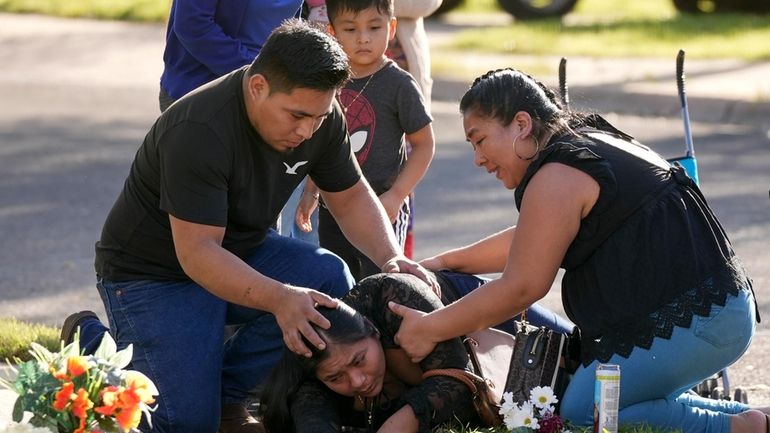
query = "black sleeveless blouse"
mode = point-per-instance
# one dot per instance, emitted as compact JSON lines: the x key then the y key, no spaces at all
{"x":648,"y":256}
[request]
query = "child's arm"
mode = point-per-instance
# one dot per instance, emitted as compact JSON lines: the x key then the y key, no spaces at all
{"x":423,"y":146}
{"x":308,"y":201}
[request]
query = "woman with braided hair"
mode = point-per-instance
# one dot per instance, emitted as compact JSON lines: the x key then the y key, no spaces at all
{"x":651,"y":279}
{"x":361,"y":378}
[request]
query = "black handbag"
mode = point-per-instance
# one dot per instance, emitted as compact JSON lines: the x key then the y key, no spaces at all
{"x":539,"y":359}
{"x":502,"y":363}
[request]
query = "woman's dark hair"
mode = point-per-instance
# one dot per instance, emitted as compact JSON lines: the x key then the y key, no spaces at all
{"x":502,"y":93}
{"x":336,"y":7}
{"x":348,"y":326}
{"x":297,"y":55}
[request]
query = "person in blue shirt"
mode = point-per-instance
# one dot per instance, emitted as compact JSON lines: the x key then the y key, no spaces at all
{"x":207,"y":39}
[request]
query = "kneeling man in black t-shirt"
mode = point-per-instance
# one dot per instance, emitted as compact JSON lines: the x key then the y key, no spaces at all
{"x":187,"y":247}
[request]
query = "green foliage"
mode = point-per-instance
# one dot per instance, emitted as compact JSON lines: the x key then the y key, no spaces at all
{"x":16,"y":336}
{"x":65,"y":391}
{"x":35,"y":389}
{"x":606,"y":28}
{"x":129,"y":10}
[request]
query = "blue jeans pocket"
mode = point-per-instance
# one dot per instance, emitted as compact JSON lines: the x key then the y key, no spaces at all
{"x":727,"y":325}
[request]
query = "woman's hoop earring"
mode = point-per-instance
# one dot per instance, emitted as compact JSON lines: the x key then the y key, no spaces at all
{"x":537,"y":150}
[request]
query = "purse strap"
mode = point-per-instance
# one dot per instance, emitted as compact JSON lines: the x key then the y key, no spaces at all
{"x":464,"y":376}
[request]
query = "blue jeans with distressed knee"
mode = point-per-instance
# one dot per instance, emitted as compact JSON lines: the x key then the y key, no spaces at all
{"x":654,"y":382}
{"x":177,"y":332}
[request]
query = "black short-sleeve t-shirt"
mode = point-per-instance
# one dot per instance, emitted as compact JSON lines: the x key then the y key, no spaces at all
{"x":203,"y":162}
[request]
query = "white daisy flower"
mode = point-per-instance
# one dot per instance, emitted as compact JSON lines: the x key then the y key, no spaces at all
{"x":517,"y":418}
{"x":543,"y":397}
{"x":528,"y":420}
{"x":507,"y":412}
{"x":527,"y":406}
{"x":508,"y":403}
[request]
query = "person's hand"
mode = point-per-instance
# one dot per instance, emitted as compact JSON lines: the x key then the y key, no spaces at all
{"x":392,"y":205}
{"x":435,"y":263}
{"x":295,"y":313}
{"x":317,"y":14}
{"x":411,"y":336}
{"x":308,"y":202}
{"x":401,"y":264}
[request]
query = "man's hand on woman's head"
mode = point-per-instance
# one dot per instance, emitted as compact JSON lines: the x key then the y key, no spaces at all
{"x":401,"y":264}
{"x":411,"y":336}
{"x":295,"y":313}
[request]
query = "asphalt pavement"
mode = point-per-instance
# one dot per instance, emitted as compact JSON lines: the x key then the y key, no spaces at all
{"x":75,"y":94}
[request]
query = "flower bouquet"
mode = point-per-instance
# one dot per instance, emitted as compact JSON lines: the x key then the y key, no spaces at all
{"x":67,"y":392}
{"x":537,"y":414}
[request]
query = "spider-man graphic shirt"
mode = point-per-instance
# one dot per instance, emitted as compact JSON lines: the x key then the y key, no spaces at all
{"x":380,"y":109}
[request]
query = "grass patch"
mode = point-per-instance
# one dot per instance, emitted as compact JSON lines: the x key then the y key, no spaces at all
{"x":607,"y":28}
{"x":127,"y":10}
{"x":16,"y":336}
{"x":476,"y":7}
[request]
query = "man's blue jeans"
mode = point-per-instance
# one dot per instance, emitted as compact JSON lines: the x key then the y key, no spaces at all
{"x":654,"y":381}
{"x":177,"y":330}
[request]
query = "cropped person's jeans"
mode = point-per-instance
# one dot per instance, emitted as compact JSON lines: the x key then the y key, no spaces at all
{"x":537,"y":314}
{"x":177,"y":330}
{"x":654,"y":382}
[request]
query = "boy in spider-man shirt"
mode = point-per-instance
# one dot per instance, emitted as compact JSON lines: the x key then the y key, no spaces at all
{"x":383,"y":107}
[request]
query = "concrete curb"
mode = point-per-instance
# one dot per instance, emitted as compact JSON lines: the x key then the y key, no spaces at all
{"x":606,"y":99}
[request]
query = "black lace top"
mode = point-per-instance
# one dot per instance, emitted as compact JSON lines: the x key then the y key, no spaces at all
{"x":648,"y":256}
{"x":436,"y":400}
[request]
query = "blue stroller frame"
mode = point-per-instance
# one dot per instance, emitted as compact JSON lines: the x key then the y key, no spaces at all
{"x":709,"y":387}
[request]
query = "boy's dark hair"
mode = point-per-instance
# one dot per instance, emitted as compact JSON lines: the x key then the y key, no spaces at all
{"x":297,"y":55}
{"x":336,"y":7}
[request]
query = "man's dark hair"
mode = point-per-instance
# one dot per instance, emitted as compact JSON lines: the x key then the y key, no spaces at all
{"x":297,"y":55}
{"x":336,"y":7}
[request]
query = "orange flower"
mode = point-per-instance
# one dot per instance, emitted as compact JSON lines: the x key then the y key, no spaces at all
{"x":63,"y":396}
{"x":59,"y":375}
{"x":110,"y":401}
{"x":81,"y":404}
{"x":124,"y":404}
{"x":129,"y":417}
{"x":129,"y":398}
{"x":77,"y":365}
{"x":81,"y":426}
{"x":141,"y":385}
